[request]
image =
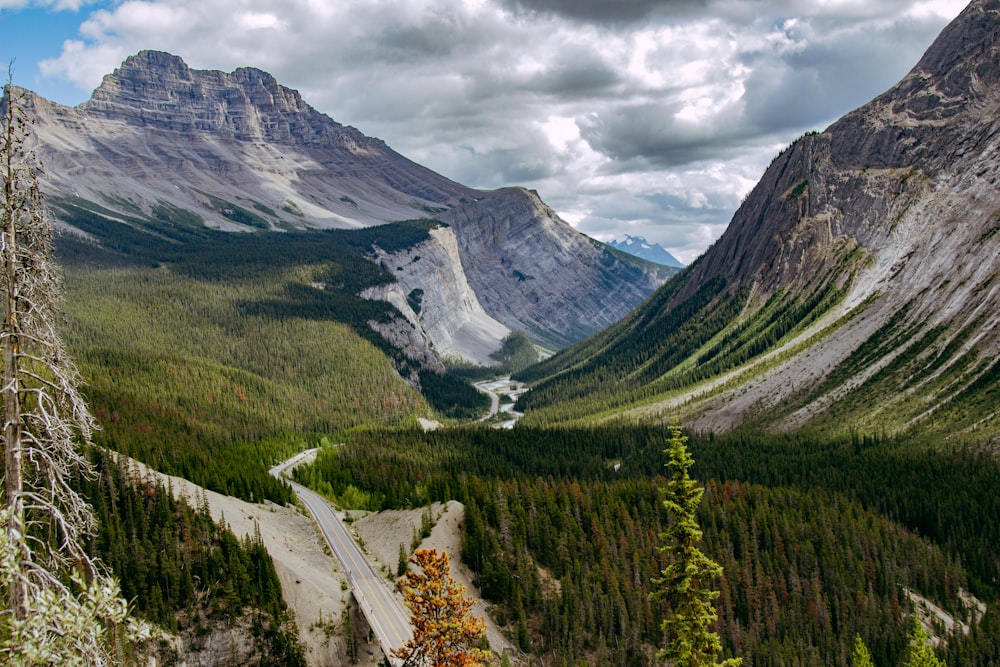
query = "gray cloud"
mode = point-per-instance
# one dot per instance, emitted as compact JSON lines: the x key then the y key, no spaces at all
{"x":640,"y":116}
{"x":576,"y":73}
{"x":605,"y":11}
{"x":650,"y":132}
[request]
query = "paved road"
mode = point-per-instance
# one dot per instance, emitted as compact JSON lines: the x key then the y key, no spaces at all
{"x":488,"y":389}
{"x":386,"y":615}
{"x":493,"y":389}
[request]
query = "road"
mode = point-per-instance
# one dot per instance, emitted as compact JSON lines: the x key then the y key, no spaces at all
{"x":485,"y":387}
{"x":493,"y":389}
{"x":386,"y":615}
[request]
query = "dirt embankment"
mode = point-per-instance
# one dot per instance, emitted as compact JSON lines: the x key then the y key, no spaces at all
{"x":383,"y":532}
{"x":312,"y":581}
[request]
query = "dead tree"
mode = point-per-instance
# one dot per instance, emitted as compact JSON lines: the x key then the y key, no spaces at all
{"x":60,"y":603}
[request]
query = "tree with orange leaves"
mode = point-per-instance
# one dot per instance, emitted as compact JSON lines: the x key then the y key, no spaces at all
{"x":445,"y":632}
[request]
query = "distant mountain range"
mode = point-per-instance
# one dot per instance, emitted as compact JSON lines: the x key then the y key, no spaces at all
{"x":640,"y":247}
{"x":160,"y":146}
{"x":857,"y":287}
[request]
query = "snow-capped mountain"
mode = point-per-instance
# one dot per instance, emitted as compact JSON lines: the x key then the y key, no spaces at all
{"x":640,"y":247}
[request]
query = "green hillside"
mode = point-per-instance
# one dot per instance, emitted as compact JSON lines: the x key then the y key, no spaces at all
{"x":682,"y":349}
{"x":669,"y":344}
{"x":211,"y":355}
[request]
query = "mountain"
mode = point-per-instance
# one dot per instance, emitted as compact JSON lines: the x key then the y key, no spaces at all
{"x":857,"y":287}
{"x":161,"y":147}
{"x":640,"y":247}
{"x":212,"y":355}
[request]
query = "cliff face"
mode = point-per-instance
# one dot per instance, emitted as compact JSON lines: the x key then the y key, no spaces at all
{"x":857,"y":181}
{"x":433,"y":294}
{"x":521,"y":263}
{"x":161,"y":140}
{"x":157,"y":89}
{"x":862,"y":272}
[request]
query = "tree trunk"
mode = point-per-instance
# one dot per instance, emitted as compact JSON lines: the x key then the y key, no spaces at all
{"x":13,"y":483}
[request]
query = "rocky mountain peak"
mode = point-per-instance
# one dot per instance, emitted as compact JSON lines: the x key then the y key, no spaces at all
{"x":159,"y":90}
{"x":161,"y":144}
{"x":914,"y":123}
{"x":640,"y":247}
{"x":839,"y":189}
{"x":963,"y":60}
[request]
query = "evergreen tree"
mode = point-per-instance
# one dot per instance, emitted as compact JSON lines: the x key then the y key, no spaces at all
{"x":685,"y":579}
{"x":403,"y":562}
{"x":444,"y":629}
{"x":861,"y":657}
{"x":920,"y":653}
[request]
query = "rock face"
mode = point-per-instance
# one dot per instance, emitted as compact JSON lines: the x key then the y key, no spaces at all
{"x":519,"y":264}
{"x":897,"y":208}
{"x":434,"y":295}
{"x":176,"y":145}
{"x":901,"y":161}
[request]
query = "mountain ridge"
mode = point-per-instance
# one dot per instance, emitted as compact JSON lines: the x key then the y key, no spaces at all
{"x":857,"y":285}
{"x":173,"y":146}
{"x":640,"y":247}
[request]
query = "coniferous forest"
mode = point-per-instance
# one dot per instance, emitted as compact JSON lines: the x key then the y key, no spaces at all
{"x":182,"y":571}
{"x":209,"y":358}
{"x":820,"y":541}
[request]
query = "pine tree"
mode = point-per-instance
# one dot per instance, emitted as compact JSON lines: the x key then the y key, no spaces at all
{"x":61,"y":605}
{"x":919,"y":653}
{"x":403,"y":562}
{"x":444,"y":630}
{"x":685,"y":580}
{"x":861,"y":657}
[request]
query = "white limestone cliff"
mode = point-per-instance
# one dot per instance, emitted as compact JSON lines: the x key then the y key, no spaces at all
{"x":433,"y":293}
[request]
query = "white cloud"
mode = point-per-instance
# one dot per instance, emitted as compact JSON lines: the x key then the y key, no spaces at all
{"x":932,"y":9}
{"x":652,"y":117}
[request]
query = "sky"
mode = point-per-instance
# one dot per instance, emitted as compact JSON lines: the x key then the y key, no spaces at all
{"x":650,"y":118}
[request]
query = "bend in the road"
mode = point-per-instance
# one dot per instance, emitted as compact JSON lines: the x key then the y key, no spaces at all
{"x":385,"y":613}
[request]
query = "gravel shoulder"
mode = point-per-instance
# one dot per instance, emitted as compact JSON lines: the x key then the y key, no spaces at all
{"x":383,"y":532}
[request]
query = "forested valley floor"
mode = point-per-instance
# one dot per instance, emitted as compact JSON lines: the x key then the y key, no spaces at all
{"x":212,"y":361}
{"x":820,"y":540}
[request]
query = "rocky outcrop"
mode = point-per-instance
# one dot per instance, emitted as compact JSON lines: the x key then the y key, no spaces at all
{"x":432,"y":292}
{"x":415,"y":345}
{"x":161,"y":140}
{"x":909,"y":148}
{"x":520,"y":259}
{"x":158,"y":90}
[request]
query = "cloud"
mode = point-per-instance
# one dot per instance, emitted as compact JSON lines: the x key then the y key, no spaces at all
{"x":641,"y":116}
{"x":602,"y":11}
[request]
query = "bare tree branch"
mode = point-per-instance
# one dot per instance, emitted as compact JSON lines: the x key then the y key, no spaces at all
{"x":62,"y":606}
